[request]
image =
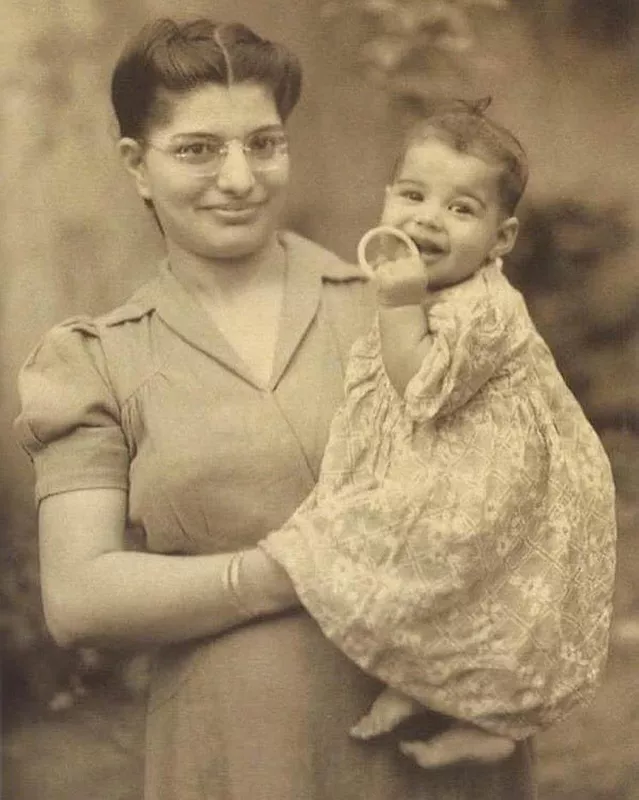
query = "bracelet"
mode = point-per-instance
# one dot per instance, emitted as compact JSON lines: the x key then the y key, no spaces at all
{"x":231,"y":582}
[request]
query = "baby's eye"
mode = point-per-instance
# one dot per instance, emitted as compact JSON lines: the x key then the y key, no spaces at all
{"x":462,"y":208}
{"x":413,"y":195}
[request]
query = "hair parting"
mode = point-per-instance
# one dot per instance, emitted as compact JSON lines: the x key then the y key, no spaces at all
{"x":225,"y":53}
{"x":167,"y":56}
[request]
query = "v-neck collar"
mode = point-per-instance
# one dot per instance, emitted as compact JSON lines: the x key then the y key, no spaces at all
{"x":308,"y":265}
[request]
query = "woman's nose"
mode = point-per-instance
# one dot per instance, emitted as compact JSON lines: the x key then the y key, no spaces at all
{"x":235,"y":174}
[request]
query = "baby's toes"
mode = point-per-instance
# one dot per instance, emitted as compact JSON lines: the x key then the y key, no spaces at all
{"x":383,"y":717}
{"x":459,"y":744}
{"x":373,"y":724}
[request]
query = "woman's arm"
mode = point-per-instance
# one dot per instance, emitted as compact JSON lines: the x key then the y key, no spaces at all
{"x":97,"y":592}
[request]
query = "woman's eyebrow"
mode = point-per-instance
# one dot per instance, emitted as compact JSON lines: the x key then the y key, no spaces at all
{"x":206,"y":134}
{"x":196,"y":134}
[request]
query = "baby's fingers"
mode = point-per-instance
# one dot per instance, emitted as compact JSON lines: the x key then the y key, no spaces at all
{"x":400,"y":270}
{"x":412,"y":291}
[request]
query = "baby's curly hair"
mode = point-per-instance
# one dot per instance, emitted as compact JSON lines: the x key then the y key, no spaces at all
{"x":465,"y":127}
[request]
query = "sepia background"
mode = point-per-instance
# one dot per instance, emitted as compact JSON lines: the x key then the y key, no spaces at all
{"x":74,"y":239}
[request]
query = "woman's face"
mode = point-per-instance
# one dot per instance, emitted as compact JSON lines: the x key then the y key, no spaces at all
{"x":228,"y":215}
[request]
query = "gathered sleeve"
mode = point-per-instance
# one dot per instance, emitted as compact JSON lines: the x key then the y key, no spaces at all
{"x":70,"y":419}
{"x":473,"y":336}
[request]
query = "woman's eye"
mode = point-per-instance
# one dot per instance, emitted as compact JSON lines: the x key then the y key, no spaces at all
{"x":266,"y":145}
{"x":193,"y":151}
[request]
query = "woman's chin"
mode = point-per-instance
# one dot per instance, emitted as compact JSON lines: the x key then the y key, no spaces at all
{"x":238,"y":242}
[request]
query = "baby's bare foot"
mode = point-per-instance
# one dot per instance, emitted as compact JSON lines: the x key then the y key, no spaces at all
{"x":388,"y":710}
{"x":459,"y":744}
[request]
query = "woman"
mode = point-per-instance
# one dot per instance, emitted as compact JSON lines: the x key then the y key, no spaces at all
{"x":198,"y":412}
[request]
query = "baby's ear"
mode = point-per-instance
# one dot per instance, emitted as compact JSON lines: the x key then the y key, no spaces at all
{"x":506,"y":237}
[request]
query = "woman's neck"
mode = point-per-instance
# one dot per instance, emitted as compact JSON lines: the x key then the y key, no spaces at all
{"x":222,"y":281}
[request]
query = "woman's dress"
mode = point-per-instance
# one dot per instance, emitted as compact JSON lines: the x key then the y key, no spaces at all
{"x":150,"y":398}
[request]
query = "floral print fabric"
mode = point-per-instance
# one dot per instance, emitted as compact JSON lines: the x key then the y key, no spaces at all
{"x":460,"y":543}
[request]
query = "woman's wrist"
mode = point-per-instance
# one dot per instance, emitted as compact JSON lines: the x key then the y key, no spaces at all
{"x":260,"y":585}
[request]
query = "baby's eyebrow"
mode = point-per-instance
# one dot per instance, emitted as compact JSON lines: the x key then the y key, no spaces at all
{"x":465,"y":192}
{"x":408,"y":184}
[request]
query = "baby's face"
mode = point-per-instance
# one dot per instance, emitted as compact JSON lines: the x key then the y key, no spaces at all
{"x":448,"y":203}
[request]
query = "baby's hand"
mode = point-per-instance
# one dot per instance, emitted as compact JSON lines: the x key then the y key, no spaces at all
{"x":401,"y":283}
{"x":388,"y":710}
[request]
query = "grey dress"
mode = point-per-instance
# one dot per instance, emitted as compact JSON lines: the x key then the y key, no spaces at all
{"x":151,"y":398}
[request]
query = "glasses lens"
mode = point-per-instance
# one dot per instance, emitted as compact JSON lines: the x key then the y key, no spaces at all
{"x":265,"y":150}
{"x":201,"y":156}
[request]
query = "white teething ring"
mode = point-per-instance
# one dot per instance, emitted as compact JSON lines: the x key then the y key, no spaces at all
{"x":382,"y":230}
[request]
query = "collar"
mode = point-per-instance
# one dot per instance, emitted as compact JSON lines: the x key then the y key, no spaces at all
{"x":309,"y":267}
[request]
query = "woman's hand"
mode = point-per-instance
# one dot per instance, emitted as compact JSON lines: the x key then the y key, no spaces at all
{"x":259,"y":583}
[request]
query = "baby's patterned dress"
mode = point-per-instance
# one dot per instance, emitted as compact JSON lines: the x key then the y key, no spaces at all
{"x":460,"y":542}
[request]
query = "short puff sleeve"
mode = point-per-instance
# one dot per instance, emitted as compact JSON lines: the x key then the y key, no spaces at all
{"x":70,"y":418}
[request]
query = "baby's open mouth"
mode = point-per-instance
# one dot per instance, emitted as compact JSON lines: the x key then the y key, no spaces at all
{"x":430,"y":249}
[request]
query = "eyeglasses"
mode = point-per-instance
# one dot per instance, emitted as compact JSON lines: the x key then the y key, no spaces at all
{"x":205,"y":155}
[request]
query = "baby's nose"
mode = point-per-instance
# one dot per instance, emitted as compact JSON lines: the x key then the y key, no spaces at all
{"x":429,"y":214}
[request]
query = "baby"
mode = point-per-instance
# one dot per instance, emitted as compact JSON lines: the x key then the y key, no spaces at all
{"x":460,"y":543}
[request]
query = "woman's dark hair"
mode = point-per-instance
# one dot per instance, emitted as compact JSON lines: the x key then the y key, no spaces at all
{"x":464,"y":127}
{"x":179,"y":56}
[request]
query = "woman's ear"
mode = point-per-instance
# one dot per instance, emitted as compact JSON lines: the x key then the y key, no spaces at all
{"x":132,"y":155}
{"x":506,"y":238}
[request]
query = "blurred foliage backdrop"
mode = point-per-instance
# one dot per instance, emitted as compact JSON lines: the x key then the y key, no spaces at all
{"x":74,"y":237}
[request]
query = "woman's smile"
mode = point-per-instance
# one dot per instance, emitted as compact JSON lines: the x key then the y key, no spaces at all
{"x":234,"y":213}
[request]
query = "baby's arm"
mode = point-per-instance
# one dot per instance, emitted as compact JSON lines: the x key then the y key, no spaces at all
{"x":402,"y":288}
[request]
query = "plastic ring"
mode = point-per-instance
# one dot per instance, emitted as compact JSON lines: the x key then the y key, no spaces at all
{"x":382,"y":230}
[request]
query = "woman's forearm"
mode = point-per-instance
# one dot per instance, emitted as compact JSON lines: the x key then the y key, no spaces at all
{"x":96,"y":591}
{"x":130,"y":598}
{"x":404,"y":339}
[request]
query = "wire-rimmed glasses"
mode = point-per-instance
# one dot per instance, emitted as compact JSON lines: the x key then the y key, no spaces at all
{"x":205,"y":154}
